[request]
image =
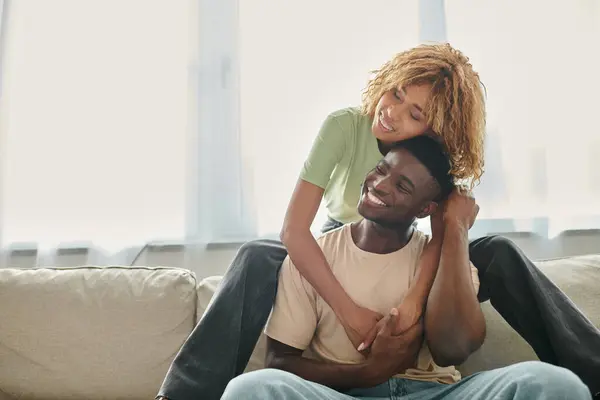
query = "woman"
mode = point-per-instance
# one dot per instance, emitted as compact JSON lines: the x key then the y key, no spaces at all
{"x":430,"y":89}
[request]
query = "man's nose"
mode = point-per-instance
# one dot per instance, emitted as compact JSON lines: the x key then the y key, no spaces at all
{"x":381,"y":183}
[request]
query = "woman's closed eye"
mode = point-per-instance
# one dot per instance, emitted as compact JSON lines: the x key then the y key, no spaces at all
{"x":399,"y":95}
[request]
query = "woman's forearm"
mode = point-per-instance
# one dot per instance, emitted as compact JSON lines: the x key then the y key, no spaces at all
{"x":418,"y":292}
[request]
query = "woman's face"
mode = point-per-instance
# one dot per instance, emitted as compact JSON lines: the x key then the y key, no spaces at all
{"x":399,"y":113}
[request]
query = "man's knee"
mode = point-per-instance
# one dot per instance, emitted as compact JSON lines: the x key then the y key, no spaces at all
{"x":533,"y":378}
{"x":262,"y":384}
{"x":505,"y":257}
{"x":500,"y":245}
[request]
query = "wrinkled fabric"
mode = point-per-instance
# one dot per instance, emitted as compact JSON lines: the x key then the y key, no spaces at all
{"x":525,"y":381}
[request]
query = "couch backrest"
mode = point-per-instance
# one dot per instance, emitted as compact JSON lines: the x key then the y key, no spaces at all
{"x":92,"y":332}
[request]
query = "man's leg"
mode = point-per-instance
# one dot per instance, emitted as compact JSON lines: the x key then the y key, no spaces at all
{"x":538,"y":310}
{"x":220,"y":346}
{"x":274,"y":384}
{"x":532,"y":380}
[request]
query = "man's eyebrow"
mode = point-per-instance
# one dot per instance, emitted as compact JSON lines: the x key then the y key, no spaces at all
{"x":383,"y":163}
{"x":407,"y":181}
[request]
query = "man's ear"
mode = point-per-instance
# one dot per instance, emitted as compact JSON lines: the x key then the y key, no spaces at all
{"x":428,"y":210}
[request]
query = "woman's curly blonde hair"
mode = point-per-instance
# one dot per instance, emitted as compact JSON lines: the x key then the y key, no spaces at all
{"x":456,"y":110}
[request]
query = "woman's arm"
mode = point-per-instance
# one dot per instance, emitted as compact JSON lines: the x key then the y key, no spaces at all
{"x":415,"y":300}
{"x":309,"y":259}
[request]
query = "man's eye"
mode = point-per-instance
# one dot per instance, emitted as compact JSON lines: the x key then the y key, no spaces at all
{"x":379,"y":170}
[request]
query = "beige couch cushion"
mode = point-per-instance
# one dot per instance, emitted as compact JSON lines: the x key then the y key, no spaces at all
{"x":578,"y":277}
{"x":92,"y":333}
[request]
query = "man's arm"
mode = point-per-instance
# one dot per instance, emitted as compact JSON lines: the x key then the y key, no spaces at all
{"x":454,"y":322}
{"x":390,"y":354}
{"x":337,"y":376}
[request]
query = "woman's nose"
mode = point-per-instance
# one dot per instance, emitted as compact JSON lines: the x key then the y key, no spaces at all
{"x":394,"y":111}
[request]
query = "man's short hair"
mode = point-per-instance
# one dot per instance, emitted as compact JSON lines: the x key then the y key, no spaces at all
{"x":433,"y":155}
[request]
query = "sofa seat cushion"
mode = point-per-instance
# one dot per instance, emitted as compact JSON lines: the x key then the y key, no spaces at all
{"x":92,"y":332}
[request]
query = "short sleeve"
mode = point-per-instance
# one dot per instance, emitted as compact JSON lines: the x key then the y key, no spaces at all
{"x":293,"y":320}
{"x":474,"y":277}
{"x":326,"y":152}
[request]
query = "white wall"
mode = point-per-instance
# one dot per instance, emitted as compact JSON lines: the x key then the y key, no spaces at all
{"x":215,"y":259}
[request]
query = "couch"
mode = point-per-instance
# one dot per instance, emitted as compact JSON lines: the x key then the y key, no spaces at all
{"x":111,"y":332}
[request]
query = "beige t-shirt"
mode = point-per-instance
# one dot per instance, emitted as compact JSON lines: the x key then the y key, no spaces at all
{"x":303,"y":320}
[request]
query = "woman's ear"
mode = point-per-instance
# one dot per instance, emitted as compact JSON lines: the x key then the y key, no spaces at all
{"x":428,"y":209}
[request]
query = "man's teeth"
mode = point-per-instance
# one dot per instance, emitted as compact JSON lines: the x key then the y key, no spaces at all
{"x":386,"y":126}
{"x":374,"y":199}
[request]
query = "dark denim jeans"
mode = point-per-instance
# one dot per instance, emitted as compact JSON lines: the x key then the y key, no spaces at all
{"x":221,"y":344}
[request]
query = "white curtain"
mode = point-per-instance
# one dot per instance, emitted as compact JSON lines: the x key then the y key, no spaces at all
{"x":94,"y":122}
{"x":539,"y":62}
{"x":299,"y":62}
{"x":537,"y":59}
{"x":130,"y":121}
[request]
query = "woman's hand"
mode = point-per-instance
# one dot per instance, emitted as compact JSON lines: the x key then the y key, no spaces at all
{"x":360,"y":324}
{"x":391,"y":353}
{"x":408,"y":313}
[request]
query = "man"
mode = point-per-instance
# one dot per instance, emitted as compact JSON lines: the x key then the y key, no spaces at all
{"x":309,"y":355}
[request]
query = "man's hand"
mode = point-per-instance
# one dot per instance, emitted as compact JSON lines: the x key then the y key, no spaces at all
{"x":461,"y":208}
{"x":392,"y":354}
{"x":360,"y":324}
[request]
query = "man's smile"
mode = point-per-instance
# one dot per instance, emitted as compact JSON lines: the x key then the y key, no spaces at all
{"x":371,"y":198}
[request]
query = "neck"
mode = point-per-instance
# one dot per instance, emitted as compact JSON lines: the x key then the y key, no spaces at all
{"x":375,"y":238}
{"x":384,"y":148}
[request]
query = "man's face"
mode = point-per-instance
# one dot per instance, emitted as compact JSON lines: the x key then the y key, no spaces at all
{"x":398,"y":190}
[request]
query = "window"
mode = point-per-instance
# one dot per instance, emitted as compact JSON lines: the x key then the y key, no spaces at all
{"x":299,"y":62}
{"x":538,"y":66}
{"x":94,"y":121}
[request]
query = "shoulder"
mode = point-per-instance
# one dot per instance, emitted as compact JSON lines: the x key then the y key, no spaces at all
{"x":419,"y":240}
{"x":328,"y":238}
{"x":331,"y":242}
{"x":348,"y":118}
